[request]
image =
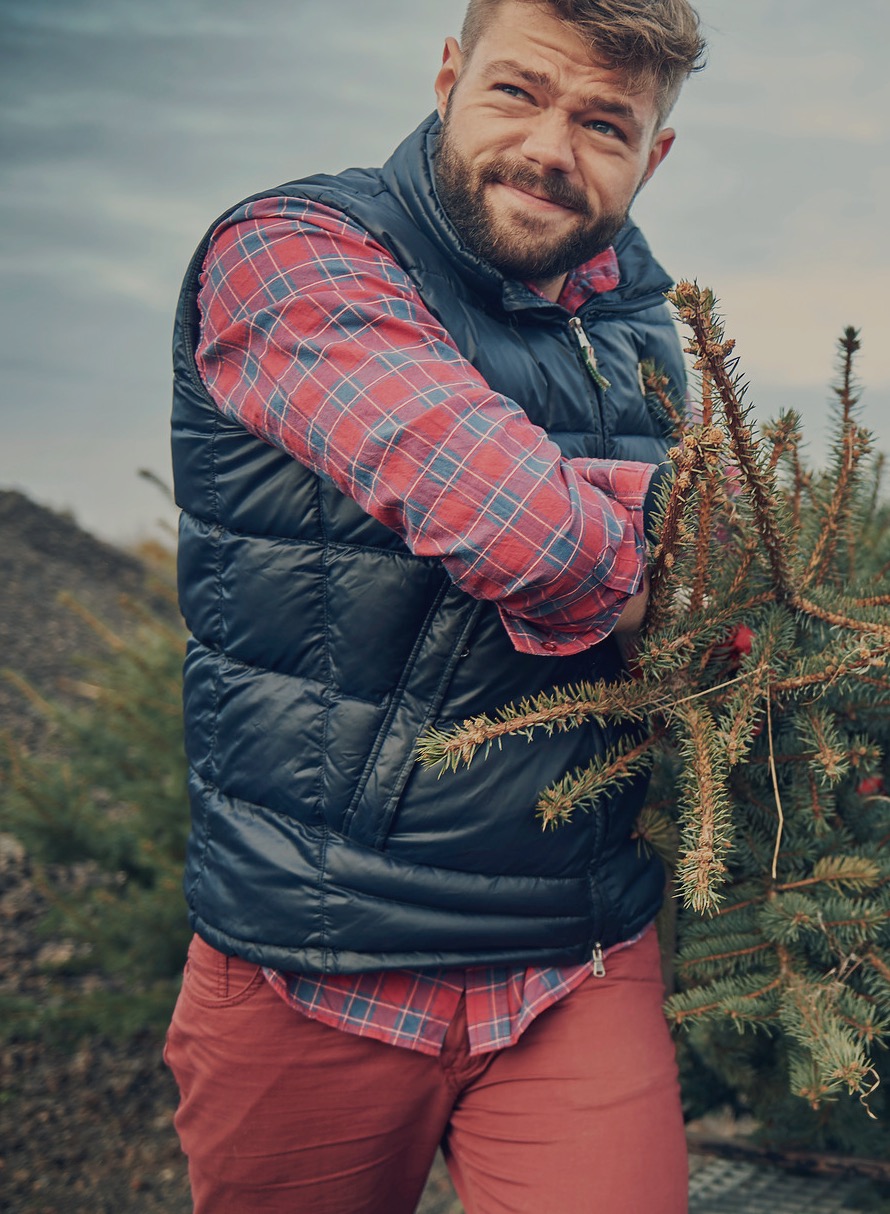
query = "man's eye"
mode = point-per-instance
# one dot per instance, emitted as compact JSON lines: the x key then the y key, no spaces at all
{"x":512,"y":90}
{"x":602,"y":127}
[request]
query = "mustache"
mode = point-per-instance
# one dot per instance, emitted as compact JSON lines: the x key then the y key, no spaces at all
{"x":552,"y":186}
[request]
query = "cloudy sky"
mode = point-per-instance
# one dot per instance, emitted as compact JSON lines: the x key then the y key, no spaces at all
{"x":127,"y":125}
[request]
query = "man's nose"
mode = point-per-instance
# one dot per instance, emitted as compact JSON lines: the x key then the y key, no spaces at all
{"x":549,"y":142}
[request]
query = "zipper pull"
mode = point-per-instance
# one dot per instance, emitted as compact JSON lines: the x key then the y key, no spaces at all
{"x":599,"y":966}
{"x":589,"y":354}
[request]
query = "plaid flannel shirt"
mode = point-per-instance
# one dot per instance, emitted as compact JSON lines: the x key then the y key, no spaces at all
{"x":316,"y":341}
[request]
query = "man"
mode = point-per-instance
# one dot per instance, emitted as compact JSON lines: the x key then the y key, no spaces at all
{"x":415,"y":462}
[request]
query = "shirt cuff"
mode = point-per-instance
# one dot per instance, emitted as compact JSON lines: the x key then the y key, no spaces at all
{"x":593,"y":614}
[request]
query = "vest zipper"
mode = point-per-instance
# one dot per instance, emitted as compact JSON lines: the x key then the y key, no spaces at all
{"x":599,"y":966}
{"x":588,"y":354}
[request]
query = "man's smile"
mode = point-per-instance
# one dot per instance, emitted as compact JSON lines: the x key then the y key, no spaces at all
{"x":537,"y":201}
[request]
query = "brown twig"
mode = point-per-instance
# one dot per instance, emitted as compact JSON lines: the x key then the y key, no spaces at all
{"x":776,"y":793}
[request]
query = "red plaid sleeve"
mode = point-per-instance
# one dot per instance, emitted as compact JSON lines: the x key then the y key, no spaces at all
{"x":315,"y":340}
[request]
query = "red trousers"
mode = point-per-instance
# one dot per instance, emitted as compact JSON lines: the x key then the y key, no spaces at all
{"x":284,"y":1115}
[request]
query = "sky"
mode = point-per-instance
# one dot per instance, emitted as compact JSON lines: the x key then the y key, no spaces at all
{"x":126,"y":126}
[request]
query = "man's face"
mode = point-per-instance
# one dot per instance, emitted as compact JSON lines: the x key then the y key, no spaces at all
{"x":542,"y":150}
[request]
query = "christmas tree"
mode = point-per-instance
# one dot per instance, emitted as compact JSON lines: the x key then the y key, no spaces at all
{"x":762,"y":674}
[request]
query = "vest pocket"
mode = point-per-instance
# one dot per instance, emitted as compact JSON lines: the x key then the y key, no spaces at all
{"x":415,"y":703}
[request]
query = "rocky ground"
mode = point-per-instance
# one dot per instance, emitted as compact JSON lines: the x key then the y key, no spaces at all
{"x":85,"y":1129}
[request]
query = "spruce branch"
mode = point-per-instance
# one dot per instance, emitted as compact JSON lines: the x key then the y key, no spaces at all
{"x":784,"y":437}
{"x":656,"y":385}
{"x":708,"y":495}
{"x":802,"y":483}
{"x":726,"y":958}
{"x":706,"y":821}
{"x":707,"y":396}
{"x":697,"y":309}
{"x":672,"y":646}
{"x":561,"y":709}
{"x":580,"y":789}
{"x":695,"y":451}
{"x":853,"y":444}
{"x":750,"y":1001}
{"x":830,"y":757}
{"x":849,"y":346}
{"x":829,"y":667}
{"x":808,"y":1011}
{"x":741,"y":719}
{"x":839,"y":618}
{"x":856,"y":445}
{"x":877,"y":482}
{"x":881,"y":965}
{"x":743,"y":572}
{"x":657,"y":827}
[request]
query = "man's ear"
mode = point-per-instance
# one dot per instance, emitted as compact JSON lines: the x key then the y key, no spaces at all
{"x":661,"y":145}
{"x":452,"y":63}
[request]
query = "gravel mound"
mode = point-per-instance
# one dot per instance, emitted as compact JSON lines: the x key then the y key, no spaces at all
{"x":53,"y":575}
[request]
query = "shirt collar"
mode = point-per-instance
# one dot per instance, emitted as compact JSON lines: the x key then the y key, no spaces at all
{"x":594,"y":277}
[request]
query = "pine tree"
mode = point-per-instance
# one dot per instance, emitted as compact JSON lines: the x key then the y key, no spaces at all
{"x":762,"y":673}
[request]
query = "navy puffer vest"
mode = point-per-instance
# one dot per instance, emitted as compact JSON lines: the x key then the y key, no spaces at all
{"x":322,"y":649}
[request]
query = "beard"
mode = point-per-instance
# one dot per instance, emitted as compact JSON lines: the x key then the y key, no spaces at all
{"x":524,"y":248}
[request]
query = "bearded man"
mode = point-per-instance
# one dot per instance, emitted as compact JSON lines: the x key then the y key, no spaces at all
{"x":415,"y":465}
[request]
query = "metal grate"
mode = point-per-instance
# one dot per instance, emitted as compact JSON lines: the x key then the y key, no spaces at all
{"x":725,"y":1187}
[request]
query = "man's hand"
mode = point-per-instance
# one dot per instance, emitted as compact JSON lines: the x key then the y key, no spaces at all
{"x":631,"y":618}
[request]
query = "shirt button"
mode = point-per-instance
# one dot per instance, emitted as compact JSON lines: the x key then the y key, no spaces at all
{"x":550,"y":646}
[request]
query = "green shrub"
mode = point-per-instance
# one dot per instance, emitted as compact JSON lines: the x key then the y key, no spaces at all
{"x":106,"y":794}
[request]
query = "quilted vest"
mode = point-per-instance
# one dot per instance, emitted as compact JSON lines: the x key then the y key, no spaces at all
{"x":322,"y":650}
